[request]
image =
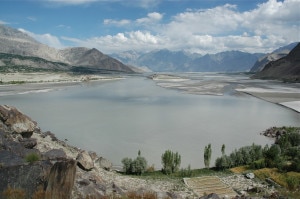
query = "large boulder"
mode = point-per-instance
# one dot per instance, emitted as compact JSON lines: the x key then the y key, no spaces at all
{"x":210,"y":196}
{"x":27,"y":177}
{"x":55,"y":154}
{"x":84,"y":161}
{"x":61,"y":180}
{"x":104,"y":163}
{"x":14,"y":121}
{"x":28,"y":143}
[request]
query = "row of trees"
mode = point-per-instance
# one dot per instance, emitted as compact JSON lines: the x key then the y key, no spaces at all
{"x":171,"y":162}
{"x":284,"y":154}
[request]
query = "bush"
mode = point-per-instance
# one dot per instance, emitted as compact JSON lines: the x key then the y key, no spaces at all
{"x":127,"y":164}
{"x":186,"y":172}
{"x":292,"y":182}
{"x":32,"y":157}
{"x":137,"y":166}
{"x":258,"y":164}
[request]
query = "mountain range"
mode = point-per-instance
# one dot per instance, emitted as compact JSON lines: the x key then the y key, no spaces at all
{"x":20,"y":50}
{"x":181,"y":61}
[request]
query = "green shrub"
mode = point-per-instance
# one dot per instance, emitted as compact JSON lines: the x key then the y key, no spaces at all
{"x":258,"y":164}
{"x":136,"y":166}
{"x":292,"y":182}
{"x":186,"y":172}
{"x":32,"y":157}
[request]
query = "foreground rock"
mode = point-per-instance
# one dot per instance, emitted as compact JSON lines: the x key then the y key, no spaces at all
{"x":61,"y":180}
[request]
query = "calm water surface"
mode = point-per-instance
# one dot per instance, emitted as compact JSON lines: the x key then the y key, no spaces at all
{"x":118,"y":118}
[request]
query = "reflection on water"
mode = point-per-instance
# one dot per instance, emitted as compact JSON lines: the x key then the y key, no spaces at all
{"x":118,"y":118}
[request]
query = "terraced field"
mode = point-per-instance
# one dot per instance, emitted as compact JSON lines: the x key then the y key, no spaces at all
{"x":209,"y":184}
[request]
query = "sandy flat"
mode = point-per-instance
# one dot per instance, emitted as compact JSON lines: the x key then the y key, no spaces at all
{"x":24,"y":83}
{"x":295,"y":105}
{"x":288,"y":97}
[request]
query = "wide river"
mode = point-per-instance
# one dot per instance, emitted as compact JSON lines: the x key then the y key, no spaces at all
{"x":117,"y":118}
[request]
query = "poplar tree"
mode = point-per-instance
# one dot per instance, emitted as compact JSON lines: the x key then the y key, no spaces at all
{"x":223,"y":149}
{"x":207,"y":155}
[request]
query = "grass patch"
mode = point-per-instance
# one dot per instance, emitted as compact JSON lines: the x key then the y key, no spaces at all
{"x":289,"y":180}
{"x":32,"y":157}
{"x":240,"y":169}
{"x":13,"y":193}
{"x":184,"y":173}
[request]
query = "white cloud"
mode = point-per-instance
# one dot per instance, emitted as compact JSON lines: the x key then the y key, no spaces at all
{"x":270,"y":25}
{"x":31,"y":18}
{"x":135,"y":40}
{"x":122,"y":22}
{"x":151,"y":18}
{"x":63,"y":26}
{"x":71,"y":2}
{"x":138,"y":3}
{"x":47,"y":39}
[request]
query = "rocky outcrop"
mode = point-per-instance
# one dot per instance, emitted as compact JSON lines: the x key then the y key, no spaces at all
{"x":84,"y":161}
{"x":61,"y":180}
{"x":210,"y":196}
{"x":104,"y":163}
{"x":14,"y":121}
{"x":50,"y":171}
{"x":28,"y":177}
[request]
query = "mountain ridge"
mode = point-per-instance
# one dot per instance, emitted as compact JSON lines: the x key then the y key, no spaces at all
{"x":180,"y":61}
{"x":286,"y":68}
{"x":16,"y":42}
{"x":273,"y":56}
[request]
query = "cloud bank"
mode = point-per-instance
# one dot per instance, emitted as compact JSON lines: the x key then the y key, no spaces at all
{"x":271,"y":24}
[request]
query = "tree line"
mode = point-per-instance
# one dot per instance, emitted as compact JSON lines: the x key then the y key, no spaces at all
{"x":284,"y":154}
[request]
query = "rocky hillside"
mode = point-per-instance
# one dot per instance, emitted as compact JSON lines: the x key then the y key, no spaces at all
{"x":36,"y":163}
{"x":181,"y":61}
{"x":275,"y":55}
{"x":92,"y":60}
{"x":287,"y":68}
{"x":18,"y":63}
{"x":15,"y":42}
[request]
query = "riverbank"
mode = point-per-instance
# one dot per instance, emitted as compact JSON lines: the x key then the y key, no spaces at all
{"x":218,"y":84}
{"x":24,"y":83}
{"x":287,"y":97}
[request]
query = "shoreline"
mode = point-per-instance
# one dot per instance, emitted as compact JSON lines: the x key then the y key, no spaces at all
{"x":24,"y":83}
{"x":290,"y":100}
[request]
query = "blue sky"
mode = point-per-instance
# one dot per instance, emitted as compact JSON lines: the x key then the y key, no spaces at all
{"x":202,"y":26}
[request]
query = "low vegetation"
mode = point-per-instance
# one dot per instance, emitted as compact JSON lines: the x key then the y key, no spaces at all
{"x":136,"y":166}
{"x":32,"y":157}
{"x":278,"y":163}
